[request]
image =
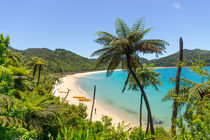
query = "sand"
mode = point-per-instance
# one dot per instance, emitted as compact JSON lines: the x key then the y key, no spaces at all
{"x":69,"y":82}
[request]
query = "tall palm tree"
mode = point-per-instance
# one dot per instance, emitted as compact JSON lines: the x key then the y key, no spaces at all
{"x":36,"y":63}
{"x":123,"y":50}
{"x":147,"y":76}
{"x":32,"y":64}
{"x":175,"y":103}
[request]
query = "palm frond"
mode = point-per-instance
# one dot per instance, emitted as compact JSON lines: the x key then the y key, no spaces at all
{"x":102,"y":59}
{"x":126,"y":82}
{"x":113,"y":64}
{"x":100,"y":51}
{"x":121,"y":27}
{"x":103,"y":41}
{"x":183,"y":82}
{"x":102,"y":34}
{"x":138,"y":25}
{"x":151,"y":46}
{"x":199,"y":90}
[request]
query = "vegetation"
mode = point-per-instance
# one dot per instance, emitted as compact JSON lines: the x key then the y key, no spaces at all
{"x":194,"y":97}
{"x":75,"y":63}
{"x":147,"y":76}
{"x":123,"y":50}
{"x":61,"y":60}
{"x":178,"y":75}
{"x":29,"y":110}
{"x":171,"y":60}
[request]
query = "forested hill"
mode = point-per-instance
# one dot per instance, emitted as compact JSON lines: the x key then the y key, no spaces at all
{"x":171,"y":60}
{"x":61,"y":60}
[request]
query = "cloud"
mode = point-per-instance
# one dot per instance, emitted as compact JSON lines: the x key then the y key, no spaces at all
{"x":176,"y":5}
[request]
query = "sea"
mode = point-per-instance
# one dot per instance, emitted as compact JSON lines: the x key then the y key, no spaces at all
{"x":126,"y":105}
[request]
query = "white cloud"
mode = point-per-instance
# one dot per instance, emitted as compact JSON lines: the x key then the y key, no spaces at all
{"x":176,"y":5}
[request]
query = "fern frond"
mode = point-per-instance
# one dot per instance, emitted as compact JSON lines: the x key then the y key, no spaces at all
{"x":121,"y":27}
{"x":138,"y":25}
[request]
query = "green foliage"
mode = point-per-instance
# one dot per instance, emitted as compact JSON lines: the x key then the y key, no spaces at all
{"x":60,"y":60}
{"x":4,"y":43}
{"x":171,"y":60}
{"x":198,"y":127}
{"x":6,"y":82}
{"x":12,"y":114}
{"x":75,"y":63}
{"x":200,"y":67}
{"x":28,"y":111}
{"x":147,"y":77}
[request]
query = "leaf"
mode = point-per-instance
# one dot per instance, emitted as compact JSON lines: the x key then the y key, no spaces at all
{"x":121,"y":27}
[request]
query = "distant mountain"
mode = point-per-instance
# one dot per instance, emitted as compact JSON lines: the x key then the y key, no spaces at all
{"x":61,"y":60}
{"x":171,"y":60}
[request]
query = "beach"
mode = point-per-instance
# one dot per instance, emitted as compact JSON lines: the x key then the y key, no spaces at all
{"x":69,"y":82}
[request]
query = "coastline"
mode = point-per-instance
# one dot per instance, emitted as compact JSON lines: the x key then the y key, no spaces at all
{"x":69,"y":82}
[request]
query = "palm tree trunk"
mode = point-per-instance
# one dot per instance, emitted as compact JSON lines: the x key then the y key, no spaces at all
{"x":94,"y":94}
{"x":50,"y":89}
{"x":66,"y":95}
{"x":176,"y":104}
{"x":143,"y":94}
{"x":40,"y":68}
{"x":147,"y":124}
{"x":34,"y":72}
{"x":140,"y":111}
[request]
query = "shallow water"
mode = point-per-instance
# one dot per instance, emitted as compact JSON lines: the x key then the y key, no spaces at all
{"x":126,"y":105}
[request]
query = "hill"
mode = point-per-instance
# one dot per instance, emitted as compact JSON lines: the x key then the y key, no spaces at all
{"x":61,"y":60}
{"x":171,"y":60}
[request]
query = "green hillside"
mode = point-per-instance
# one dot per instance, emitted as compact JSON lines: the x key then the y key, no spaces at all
{"x":61,"y":60}
{"x":171,"y":60}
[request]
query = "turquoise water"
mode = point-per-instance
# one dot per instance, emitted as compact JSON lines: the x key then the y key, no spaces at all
{"x":126,"y":105}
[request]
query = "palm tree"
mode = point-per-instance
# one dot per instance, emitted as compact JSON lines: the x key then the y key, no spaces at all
{"x":175,"y":103}
{"x":16,"y":58}
{"x":52,"y":79}
{"x":189,"y":93}
{"x":37,"y":63}
{"x":123,"y":50}
{"x":147,"y":76}
{"x":39,"y":107}
{"x":32,"y":64}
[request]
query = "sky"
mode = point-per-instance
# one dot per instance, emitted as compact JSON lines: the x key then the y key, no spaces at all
{"x":70,"y":24}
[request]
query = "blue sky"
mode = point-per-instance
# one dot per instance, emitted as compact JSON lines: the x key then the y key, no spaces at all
{"x":70,"y":24}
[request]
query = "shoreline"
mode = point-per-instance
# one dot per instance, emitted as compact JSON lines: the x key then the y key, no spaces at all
{"x":69,"y":82}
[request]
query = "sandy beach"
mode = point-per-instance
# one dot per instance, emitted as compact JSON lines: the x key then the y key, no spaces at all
{"x":69,"y":82}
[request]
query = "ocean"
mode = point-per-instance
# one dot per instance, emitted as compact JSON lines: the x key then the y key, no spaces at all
{"x":126,"y":105}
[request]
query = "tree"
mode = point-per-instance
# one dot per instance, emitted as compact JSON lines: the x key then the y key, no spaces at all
{"x":199,"y":66}
{"x":33,"y":64}
{"x":123,"y":50}
{"x":16,"y":58}
{"x":175,"y":103}
{"x":4,"y":43}
{"x":191,"y":94}
{"x":53,"y":80}
{"x":147,"y":76}
{"x":36,"y":63}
